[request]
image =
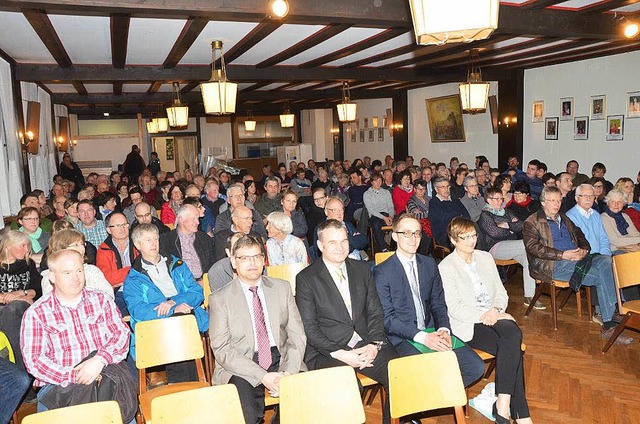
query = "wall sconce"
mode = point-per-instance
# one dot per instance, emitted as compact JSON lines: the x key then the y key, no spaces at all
{"x":58,"y":141}
{"x":334,"y":130}
{"x":508,"y":120}
{"x":27,"y":138}
{"x":74,"y":142}
{"x":395,"y":127}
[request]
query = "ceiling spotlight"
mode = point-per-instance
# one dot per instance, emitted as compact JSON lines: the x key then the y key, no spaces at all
{"x":631,"y":29}
{"x":106,"y":114}
{"x":277,"y":9}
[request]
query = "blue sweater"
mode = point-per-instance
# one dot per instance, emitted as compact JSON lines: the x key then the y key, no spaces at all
{"x":593,"y":230}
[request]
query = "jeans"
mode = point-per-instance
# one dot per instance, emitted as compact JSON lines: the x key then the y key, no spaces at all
{"x":600,"y":276}
{"x":14,"y":383}
{"x":514,"y":249}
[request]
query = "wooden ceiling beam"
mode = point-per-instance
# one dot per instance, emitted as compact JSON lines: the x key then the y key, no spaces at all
{"x":541,"y":4}
{"x":39,"y":21}
{"x":187,"y":88}
{"x":80,"y":88}
{"x":313,"y":40}
{"x":155,"y":86}
{"x":256,"y":86}
{"x":119,"y":39}
{"x":190,"y":32}
{"x":117,"y":88}
{"x":257,"y":34}
{"x":604,"y":6}
{"x":552,"y":50}
{"x":382,"y":56}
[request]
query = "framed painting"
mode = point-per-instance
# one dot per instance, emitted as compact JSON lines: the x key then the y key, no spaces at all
{"x":538,"y":111}
{"x":444,"y":115}
{"x":598,"y":107}
{"x":633,"y":104}
{"x":551,"y":128}
{"x":615,"y":127}
{"x":566,"y":109}
{"x":581,"y":128}
{"x":380,"y":134}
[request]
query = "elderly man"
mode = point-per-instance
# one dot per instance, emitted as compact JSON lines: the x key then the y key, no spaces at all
{"x":556,"y":247}
{"x":212,"y":200}
{"x":235,"y":197}
{"x":256,"y":331}
{"x":334,"y":209}
{"x":241,"y":222}
{"x":576,"y":177}
{"x":221,"y":273}
{"x":270,"y":200}
{"x":482,"y":179}
{"x":95,"y":231}
{"x":564,"y":183}
{"x":58,"y":208}
{"x":144,"y":215}
{"x":71,"y":335}
{"x":472,"y":201}
{"x":379,"y":204}
{"x":188,"y":243}
{"x":442,"y":209}
{"x":136,"y":195}
{"x":150,"y":195}
{"x":161,"y":286}
{"x":388,"y":183}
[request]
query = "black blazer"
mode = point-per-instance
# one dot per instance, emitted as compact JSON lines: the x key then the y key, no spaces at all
{"x":325,"y":317}
{"x":170,"y":245}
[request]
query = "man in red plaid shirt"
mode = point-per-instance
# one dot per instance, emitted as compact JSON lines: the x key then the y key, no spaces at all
{"x":63,"y":328}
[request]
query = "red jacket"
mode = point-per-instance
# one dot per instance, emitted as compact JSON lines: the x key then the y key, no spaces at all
{"x":109,"y":262}
{"x":401,"y":198}
{"x":167,"y":215}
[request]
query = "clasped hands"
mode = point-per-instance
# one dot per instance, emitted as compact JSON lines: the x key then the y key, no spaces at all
{"x":165,"y":307}
{"x":6,"y":298}
{"x":574,"y":254}
{"x":360,"y":358}
{"x":271,"y":381}
{"x":492,"y":316}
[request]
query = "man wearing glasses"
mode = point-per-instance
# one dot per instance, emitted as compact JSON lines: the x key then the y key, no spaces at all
{"x":242,"y":221}
{"x":144,"y":215}
{"x":236,"y":197}
{"x":442,"y":209}
{"x":334,"y":209}
{"x":412,"y":298}
{"x":256,"y":332}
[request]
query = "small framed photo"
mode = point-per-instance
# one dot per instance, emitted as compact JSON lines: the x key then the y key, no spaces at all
{"x":538,"y":111}
{"x":366,"y":122}
{"x":566,"y":109}
{"x":633,"y":104}
{"x":374,"y":122}
{"x":353,"y":135}
{"x":384,"y":121}
{"x":380,"y":133}
{"x":598,"y":107}
{"x":371,"y":135}
{"x":551,"y":128}
{"x":615,"y":127}
{"x":361,"y":136}
{"x":581,"y":128}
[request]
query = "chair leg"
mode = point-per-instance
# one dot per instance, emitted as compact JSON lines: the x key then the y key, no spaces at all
{"x":459,"y":413}
{"x":372,"y":395}
{"x":588,"y":291}
{"x":619,"y":329}
{"x":490,"y":368}
{"x":536,"y":296}
{"x":466,"y":405}
{"x":579,"y":302}
{"x":564,"y":302}
{"x":554,"y":306}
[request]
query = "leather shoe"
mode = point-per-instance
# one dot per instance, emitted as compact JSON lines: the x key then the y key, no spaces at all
{"x":617,"y":317}
{"x":621,"y":340}
{"x":499,"y":418}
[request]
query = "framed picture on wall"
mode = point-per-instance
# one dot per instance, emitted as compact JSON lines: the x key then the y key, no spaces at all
{"x":551,"y":128}
{"x":566,"y":108}
{"x":615,"y":127}
{"x":361,"y":136}
{"x":581,"y":128}
{"x":598,"y":107}
{"x":169,"y":151}
{"x":633,"y":104}
{"x":371,"y":135}
{"x":374,"y":122}
{"x":380,"y":134}
{"x":366,"y":122}
{"x":445,"y":119}
{"x":353,"y":135}
{"x":538,"y":111}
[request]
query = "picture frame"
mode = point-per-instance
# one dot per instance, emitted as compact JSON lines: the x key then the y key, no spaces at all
{"x":371,"y":135}
{"x":366,"y":123}
{"x":380,"y":133}
{"x":493,"y":110}
{"x":566,"y":109}
{"x":169,"y":149}
{"x":374,"y":122}
{"x":551,"y":128}
{"x":361,"y":136}
{"x":353,"y":134}
{"x":444,"y":115}
{"x":615,"y":127}
{"x":581,"y":128}
{"x":598,"y":107}
{"x":384,"y":121}
{"x":633,"y":104}
{"x":537,"y":111}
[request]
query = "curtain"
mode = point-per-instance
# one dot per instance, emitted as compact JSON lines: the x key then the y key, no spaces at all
{"x":187,"y":153}
{"x":12,"y":187}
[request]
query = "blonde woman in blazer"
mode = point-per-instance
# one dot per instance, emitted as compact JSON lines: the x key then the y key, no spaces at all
{"x":476,"y":302}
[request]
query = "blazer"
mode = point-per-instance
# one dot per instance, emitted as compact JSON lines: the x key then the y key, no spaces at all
{"x":392,"y":284}
{"x":231,"y":331}
{"x":325,"y":316}
{"x":459,"y":291}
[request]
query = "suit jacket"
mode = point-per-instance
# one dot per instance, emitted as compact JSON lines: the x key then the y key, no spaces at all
{"x":326,"y":320}
{"x":392,"y":284}
{"x":231,"y":331}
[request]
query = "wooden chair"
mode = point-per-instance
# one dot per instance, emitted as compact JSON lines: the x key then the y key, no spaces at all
{"x":382,"y":256}
{"x":217,"y":404}
{"x":372,"y":240}
{"x":171,"y":226}
{"x":206,"y":341}
{"x":626,"y":273}
{"x":422,"y":383}
{"x":439,"y":251}
{"x":165,"y":341}
{"x":554,"y":288}
{"x":95,"y":413}
{"x":206,"y":288}
{"x":329,"y":395}
{"x":510,"y":264}
{"x":287,"y":272}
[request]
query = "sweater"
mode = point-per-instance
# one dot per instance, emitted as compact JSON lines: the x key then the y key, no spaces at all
{"x":617,"y":240}
{"x":592,"y":228}
{"x":473,"y":206}
{"x":441,"y":213}
{"x":377,"y":201}
{"x":401,"y":198}
{"x":20,"y":275}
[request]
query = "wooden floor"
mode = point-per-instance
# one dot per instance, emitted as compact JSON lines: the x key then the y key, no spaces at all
{"x":568,"y":379}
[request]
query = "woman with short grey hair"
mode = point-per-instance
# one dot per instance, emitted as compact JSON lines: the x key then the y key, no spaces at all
{"x":623,"y":235}
{"x":282,"y":246}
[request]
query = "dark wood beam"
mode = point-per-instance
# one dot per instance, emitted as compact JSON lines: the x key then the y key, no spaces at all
{"x":382,"y":56}
{"x":540,"y":53}
{"x":313,"y":40}
{"x":291,"y":85}
{"x":192,"y":28}
{"x":603,"y":6}
{"x":8,"y":58}
{"x":119,"y":39}
{"x":39,"y":21}
{"x":187,"y":88}
{"x":80,"y":88}
{"x":155,"y":86}
{"x":541,"y":4}
{"x":354,"y":48}
{"x":257,"y":34}
{"x":255,"y":87}
{"x":117,"y":88}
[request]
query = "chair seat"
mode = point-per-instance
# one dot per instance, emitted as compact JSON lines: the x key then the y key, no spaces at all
{"x":631,"y":306}
{"x":268,"y":400}
{"x":147,"y":397}
{"x":366,"y":381}
{"x":505,"y":262}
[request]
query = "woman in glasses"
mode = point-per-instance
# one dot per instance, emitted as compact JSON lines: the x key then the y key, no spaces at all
{"x":476,"y":302}
{"x":29,"y":221}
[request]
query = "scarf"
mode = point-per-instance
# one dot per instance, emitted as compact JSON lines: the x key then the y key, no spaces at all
{"x":407,"y":189}
{"x":35,"y":245}
{"x":496,"y":212}
{"x":523,"y":204}
{"x":621,"y":223}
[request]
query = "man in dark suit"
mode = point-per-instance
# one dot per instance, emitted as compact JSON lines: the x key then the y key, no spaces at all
{"x":412,"y":297}
{"x":341,"y":311}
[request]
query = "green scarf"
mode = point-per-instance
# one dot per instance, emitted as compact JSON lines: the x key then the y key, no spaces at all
{"x":35,"y":245}
{"x":496,"y":212}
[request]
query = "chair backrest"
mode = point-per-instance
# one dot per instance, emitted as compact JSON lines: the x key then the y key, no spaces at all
{"x":167,"y":340}
{"x":626,"y":269}
{"x":171,"y":226}
{"x":329,"y":395}
{"x":206,"y":288}
{"x":287,"y":272}
{"x":216,"y":404}
{"x":425,"y":382}
{"x":383,"y":256}
{"x":96,"y":413}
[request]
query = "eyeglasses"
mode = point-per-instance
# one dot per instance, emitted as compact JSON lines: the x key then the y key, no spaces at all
{"x":118,"y":226}
{"x":31,"y":219}
{"x":408,"y":234}
{"x":335,"y":209}
{"x":469,"y":236}
{"x":319,"y":198}
{"x":496,"y":198}
{"x":254,"y":258}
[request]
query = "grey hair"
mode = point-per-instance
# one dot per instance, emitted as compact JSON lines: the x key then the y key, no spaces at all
{"x":439,"y":180}
{"x":233,"y":187}
{"x":549,"y":190}
{"x":468,"y":180}
{"x":182,"y":212}
{"x":582,"y":187}
{"x":616,"y":194}
{"x":142,"y":229}
{"x":281,"y":221}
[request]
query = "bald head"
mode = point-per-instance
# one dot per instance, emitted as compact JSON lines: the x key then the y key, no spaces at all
{"x":143,"y":213}
{"x":242,"y":219}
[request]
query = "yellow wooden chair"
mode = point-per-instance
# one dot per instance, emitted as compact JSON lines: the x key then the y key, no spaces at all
{"x":383,"y":256}
{"x":206,"y":341}
{"x":94,"y":413}
{"x":554,"y":288}
{"x":287,"y":272}
{"x":165,"y":341}
{"x":171,"y":226}
{"x":206,"y":288}
{"x":422,"y":383}
{"x":329,"y":395}
{"x":626,"y":273}
{"x":217,"y":404}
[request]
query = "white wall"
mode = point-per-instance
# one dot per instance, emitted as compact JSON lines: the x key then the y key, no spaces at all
{"x":368,"y":108}
{"x":480,"y":139}
{"x":315,"y":127}
{"x":216,"y":135}
{"x":113,"y":149}
{"x":610,"y":75}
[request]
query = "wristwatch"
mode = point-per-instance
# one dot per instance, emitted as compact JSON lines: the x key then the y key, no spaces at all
{"x":498,"y":309}
{"x":24,"y":292}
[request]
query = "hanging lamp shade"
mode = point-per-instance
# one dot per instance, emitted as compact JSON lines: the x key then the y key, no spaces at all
{"x":152,"y":127}
{"x":250,"y":123}
{"x":474,"y":93}
{"x":287,"y":119}
{"x":347,"y":109}
{"x":449,"y":21}
{"x":218,"y":94}
{"x":177,"y":113}
{"x":162,"y":124}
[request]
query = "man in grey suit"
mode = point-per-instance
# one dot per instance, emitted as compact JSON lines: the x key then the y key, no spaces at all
{"x":256,"y":332}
